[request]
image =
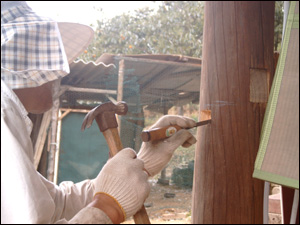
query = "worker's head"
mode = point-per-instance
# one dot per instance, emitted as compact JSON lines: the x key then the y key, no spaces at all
{"x":36,"y":52}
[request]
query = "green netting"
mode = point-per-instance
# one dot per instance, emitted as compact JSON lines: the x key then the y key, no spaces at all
{"x":82,"y":154}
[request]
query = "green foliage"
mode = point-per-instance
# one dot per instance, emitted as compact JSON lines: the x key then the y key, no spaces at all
{"x":278,"y":24}
{"x":176,"y":28}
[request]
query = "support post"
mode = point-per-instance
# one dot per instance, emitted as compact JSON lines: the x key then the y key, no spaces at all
{"x":120,"y":88}
{"x":237,"y":71}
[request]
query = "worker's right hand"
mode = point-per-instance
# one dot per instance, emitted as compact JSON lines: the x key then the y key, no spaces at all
{"x":157,"y":154}
{"x":123,"y":179}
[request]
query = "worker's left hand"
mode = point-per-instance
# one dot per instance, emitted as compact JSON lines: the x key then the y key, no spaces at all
{"x":122,"y":178}
{"x":157,"y":154}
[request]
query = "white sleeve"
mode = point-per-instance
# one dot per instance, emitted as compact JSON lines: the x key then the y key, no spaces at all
{"x":91,"y":215}
{"x":26,"y":196}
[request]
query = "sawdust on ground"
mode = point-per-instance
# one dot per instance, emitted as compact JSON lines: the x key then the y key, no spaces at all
{"x":162,"y":210}
{"x":175,"y":210}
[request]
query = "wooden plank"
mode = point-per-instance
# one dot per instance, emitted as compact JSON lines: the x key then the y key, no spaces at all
{"x":237,"y":36}
{"x":39,"y":145}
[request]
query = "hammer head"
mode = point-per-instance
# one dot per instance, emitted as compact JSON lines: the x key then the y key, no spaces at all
{"x":104,"y":115}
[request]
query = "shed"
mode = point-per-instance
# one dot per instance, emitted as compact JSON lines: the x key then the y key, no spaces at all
{"x":163,"y":80}
{"x":153,"y":82}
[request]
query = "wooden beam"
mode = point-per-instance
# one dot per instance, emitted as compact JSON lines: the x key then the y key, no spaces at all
{"x":88,"y":90}
{"x":238,"y":37}
{"x":75,"y":110}
{"x":64,"y":114}
{"x":67,"y":111}
{"x":171,"y":63}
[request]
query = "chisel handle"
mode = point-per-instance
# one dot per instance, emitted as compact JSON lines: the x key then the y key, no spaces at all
{"x":159,"y":133}
{"x":165,"y":132}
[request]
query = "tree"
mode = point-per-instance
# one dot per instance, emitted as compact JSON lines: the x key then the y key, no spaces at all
{"x":278,"y":25}
{"x":176,"y":28}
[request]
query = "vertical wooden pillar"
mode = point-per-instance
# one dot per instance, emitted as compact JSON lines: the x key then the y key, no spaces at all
{"x":235,"y":81}
{"x":120,"y":88}
{"x":121,"y":80}
{"x":53,"y":145}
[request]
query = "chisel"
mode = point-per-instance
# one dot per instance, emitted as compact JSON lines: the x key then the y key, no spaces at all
{"x":164,"y":132}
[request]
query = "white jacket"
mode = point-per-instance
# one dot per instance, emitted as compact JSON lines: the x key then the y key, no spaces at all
{"x":26,"y":196}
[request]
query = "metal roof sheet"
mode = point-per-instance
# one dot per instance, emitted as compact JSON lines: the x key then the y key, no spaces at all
{"x":168,"y":79}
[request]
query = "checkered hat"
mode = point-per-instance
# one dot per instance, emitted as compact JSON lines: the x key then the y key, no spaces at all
{"x":36,"y":49}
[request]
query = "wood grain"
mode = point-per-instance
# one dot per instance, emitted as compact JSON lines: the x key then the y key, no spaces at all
{"x":238,"y":35}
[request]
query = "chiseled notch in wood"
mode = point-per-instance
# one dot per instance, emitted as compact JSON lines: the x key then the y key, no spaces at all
{"x":205,"y":115}
{"x":258,"y":85}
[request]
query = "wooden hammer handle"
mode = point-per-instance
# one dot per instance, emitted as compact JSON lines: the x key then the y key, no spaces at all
{"x":115,"y":145}
{"x":113,"y":140}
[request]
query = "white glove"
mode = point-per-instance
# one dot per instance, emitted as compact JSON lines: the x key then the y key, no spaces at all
{"x":157,"y":154}
{"x":124,"y":179}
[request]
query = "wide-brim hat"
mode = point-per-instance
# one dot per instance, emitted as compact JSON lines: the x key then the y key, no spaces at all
{"x":36,"y":49}
{"x":75,"y":37}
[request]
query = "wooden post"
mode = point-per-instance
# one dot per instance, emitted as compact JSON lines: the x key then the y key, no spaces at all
{"x":39,"y":145}
{"x":57,"y":151}
{"x":163,"y":178}
{"x":53,"y":143}
{"x":237,"y":71}
{"x":120,"y":88}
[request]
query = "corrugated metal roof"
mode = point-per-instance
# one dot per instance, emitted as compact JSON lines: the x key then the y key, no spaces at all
{"x":161,"y":79}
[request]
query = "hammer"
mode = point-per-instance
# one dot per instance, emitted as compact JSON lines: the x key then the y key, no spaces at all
{"x":104,"y":115}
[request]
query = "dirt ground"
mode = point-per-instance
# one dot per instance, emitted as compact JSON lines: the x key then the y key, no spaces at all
{"x":177,"y":210}
{"x":162,"y":210}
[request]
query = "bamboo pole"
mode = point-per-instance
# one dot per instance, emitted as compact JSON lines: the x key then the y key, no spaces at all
{"x":237,"y":66}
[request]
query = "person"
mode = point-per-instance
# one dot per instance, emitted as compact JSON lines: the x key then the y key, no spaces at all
{"x":35,"y":54}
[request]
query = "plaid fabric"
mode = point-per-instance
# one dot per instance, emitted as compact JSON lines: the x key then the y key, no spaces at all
{"x":32,"y":51}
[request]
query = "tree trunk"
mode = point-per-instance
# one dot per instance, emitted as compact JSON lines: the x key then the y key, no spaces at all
{"x":235,"y":82}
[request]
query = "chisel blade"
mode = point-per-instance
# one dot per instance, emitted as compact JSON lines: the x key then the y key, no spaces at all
{"x":202,"y":123}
